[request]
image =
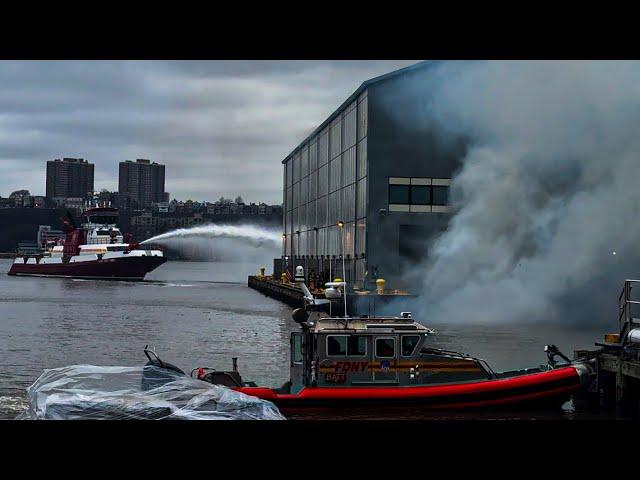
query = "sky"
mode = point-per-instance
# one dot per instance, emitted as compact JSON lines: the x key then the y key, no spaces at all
{"x":220,"y":127}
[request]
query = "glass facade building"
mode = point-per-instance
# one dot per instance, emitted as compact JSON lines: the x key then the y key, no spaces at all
{"x":372,"y":166}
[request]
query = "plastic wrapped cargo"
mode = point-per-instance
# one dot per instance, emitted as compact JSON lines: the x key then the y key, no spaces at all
{"x":88,"y":392}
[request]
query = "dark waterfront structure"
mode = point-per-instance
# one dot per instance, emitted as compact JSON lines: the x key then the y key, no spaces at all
{"x":617,"y":361}
{"x":378,"y":166}
{"x":69,"y":177}
{"x":22,"y":224}
{"x":142,"y":181}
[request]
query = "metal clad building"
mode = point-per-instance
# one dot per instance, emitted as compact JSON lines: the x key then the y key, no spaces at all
{"x":377,"y":165}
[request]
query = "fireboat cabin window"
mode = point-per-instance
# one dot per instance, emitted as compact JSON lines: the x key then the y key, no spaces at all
{"x":385,"y":347}
{"x":297,"y":348}
{"x":409,"y":343}
{"x":346,"y":346}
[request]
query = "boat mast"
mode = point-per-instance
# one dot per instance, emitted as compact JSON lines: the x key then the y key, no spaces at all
{"x":344,"y":272}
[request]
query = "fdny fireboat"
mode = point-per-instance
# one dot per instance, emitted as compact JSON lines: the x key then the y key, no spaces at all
{"x":95,"y":250}
{"x":357,"y":363}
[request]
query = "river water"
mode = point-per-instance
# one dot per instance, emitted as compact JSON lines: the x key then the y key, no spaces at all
{"x":199,"y":314}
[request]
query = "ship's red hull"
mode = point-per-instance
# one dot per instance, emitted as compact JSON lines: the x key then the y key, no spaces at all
{"x":124,"y":268}
{"x":551,"y":387}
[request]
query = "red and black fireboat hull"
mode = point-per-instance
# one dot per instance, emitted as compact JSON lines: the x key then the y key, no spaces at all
{"x":127,"y":268}
{"x":549,"y":388}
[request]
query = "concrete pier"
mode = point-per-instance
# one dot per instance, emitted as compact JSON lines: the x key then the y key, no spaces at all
{"x":288,"y":293}
{"x":363,"y":303}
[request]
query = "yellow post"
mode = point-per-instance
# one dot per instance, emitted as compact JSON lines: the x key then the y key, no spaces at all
{"x":283,"y":277}
{"x":380,"y":286}
{"x":261,"y":274}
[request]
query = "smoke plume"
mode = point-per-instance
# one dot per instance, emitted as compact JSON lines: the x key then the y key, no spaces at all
{"x":546,"y":224}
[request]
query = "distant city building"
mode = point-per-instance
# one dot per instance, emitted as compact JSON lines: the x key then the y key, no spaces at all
{"x":162,"y":207}
{"x":21,"y":198}
{"x":142,"y":181}
{"x":71,"y":203}
{"x":39,"y":201}
{"x":69,"y":177}
{"x":179,"y":214}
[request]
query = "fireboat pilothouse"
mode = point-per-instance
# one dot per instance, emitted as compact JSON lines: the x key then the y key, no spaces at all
{"x":97,"y":250}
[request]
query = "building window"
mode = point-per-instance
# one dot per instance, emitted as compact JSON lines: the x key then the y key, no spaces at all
{"x":440,"y":195}
{"x":399,"y":194}
{"x":420,"y":195}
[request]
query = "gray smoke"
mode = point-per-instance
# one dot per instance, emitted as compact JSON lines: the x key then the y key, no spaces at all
{"x":547,"y":223}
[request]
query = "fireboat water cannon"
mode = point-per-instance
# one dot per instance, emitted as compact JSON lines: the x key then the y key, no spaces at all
{"x":310,"y":300}
{"x":332,"y":290}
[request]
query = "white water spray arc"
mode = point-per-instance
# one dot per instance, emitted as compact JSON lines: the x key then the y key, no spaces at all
{"x":255,"y":236}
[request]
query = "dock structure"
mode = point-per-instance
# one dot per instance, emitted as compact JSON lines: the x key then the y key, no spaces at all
{"x":360,"y":303}
{"x":287,"y":293}
{"x":617,"y":361}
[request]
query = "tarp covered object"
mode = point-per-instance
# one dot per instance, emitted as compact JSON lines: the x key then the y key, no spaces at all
{"x":88,"y":392}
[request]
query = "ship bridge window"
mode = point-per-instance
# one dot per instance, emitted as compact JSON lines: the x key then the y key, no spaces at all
{"x":409,"y":343}
{"x":385,"y":347}
{"x":102,"y":232}
{"x":102,"y":219}
{"x":346,"y":345}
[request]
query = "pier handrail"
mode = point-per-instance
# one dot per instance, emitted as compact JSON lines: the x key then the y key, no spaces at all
{"x":625,"y":319}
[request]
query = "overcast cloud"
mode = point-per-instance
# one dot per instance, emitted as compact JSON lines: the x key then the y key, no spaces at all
{"x":220,"y":127}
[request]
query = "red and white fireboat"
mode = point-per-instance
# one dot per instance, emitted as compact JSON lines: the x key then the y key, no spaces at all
{"x":97,"y":250}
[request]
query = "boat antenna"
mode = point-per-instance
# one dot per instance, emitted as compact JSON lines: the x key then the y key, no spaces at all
{"x":344,"y":272}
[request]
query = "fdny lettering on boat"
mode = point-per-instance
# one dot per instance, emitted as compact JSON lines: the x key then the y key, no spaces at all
{"x":346,"y":366}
